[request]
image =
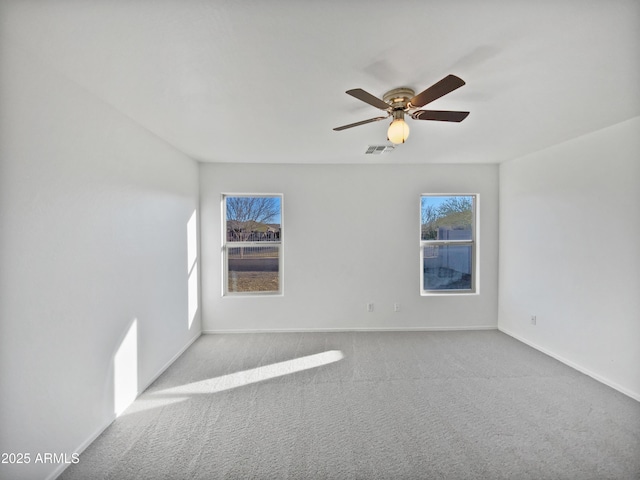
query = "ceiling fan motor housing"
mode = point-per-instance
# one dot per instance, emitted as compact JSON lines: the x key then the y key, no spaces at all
{"x":398,"y":98}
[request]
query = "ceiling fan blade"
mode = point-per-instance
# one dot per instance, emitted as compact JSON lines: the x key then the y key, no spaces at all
{"x":368,"y":98}
{"x":447,"y":85}
{"x":440,"y":115}
{"x":344,"y":127}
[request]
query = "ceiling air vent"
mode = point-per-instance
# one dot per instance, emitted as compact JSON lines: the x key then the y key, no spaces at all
{"x":378,"y":149}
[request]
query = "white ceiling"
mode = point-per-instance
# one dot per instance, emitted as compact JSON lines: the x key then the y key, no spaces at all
{"x":264,"y":81}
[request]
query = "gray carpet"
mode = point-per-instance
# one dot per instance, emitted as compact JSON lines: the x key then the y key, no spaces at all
{"x":411,"y":405}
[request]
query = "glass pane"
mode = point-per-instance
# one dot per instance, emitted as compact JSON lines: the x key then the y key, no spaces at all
{"x":253,"y":219}
{"x":253,"y":269}
{"x":447,"y":267}
{"x":446,"y":217}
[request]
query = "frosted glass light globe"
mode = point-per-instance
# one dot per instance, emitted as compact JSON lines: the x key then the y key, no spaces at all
{"x":398,"y":131}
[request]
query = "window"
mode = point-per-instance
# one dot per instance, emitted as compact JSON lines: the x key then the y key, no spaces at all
{"x":448,"y":244}
{"x":252,"y":244}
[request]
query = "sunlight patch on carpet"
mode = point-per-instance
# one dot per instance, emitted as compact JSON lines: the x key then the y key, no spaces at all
{"x":255,"y":375}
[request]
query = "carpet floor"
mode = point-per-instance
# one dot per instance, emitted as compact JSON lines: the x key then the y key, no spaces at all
{"x":369,"y":405}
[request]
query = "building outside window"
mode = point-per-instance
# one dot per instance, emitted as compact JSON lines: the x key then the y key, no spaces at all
{"x":252,"y":244}
{"x":448,"y":243}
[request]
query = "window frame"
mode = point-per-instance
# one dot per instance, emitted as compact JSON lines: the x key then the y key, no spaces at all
{"x":473,"y":243}
{"x":274,"y":243}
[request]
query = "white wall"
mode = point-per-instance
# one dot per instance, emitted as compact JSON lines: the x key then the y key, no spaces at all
{"x":351,"y":236}
{"x":569,"y":236}
{"x":94,"y":214}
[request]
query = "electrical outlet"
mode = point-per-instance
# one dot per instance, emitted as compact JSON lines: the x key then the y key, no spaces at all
{"x":533,"y":319}
{"x":369,"y":307}
{"x":396,"y":307}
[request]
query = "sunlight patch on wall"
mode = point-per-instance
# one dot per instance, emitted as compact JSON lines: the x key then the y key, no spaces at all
{"x":193,"y":294}
{"x":192,"y":268}
{"x":192,"y":241}
{"x":255,"y":375}
{"x":125,"y":370}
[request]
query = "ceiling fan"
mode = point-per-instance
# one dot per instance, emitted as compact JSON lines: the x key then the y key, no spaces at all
{"x":401,"y":101}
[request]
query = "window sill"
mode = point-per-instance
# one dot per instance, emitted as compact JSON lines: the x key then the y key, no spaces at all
{"x":252,"y":295}
{"x":447,"y":294}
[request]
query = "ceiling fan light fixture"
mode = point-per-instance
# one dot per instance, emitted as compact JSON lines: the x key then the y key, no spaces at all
{"x":398,"y":131}
{"x":403,"y":100}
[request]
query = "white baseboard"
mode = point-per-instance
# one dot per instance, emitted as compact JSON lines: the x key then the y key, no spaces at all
{"x":169,"y":363}
{"x":580,"y":368}
{"x":353,"y":329}
{"x":89,"y":440}
{"x":62,"y":467}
